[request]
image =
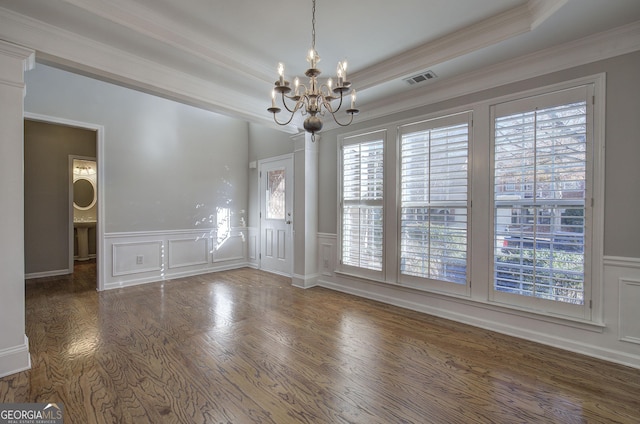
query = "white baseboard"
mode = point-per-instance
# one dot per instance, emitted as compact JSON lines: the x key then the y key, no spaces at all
{"x":173,"y":276}
{"x":500,"y":326}
{"x":15,"y":359}
{"x":305,"y":281}
{"x":53,"y":273}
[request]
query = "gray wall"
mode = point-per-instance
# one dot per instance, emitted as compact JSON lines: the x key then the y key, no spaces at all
{"x":167,"y":166}
{"x":46,"y":191}
{"x":622,"y":201}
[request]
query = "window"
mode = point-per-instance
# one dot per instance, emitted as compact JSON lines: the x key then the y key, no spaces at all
{"x":499,"y":202}
{"x":434,"y":186}
{"x":542,"y":148}
{"x":275,"y":195}
{"x":362,"y":202}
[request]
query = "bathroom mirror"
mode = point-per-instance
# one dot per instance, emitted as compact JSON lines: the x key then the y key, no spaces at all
{"x":84,"y":194}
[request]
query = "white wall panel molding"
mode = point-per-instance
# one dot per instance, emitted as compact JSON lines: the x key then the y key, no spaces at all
{"x":622,"y":262}
{"x":148,"y":256}
{"x":137,"y":257}
{"x":231,"y":248}
{"x":617,"y":340}
{"x":252,"y":244}
{"x":622,"y":277}
{"x":327,"y":244}
{"x":184,"y":252}
{"x":629,"y":312}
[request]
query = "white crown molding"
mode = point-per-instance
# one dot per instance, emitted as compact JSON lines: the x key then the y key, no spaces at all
{"x":488,"y":32}
{"x":66,"y":49}
{"x":542,"y":9}
{"x":153,"y":25}
{"x":605,"y":45}
{"x":19,"y":52}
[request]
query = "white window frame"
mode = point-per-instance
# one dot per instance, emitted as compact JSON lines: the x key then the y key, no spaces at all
{"x":593,"y":88}
{"x":480,"y":291}
{"x":379,"y":135}
{"x":422,"y":283}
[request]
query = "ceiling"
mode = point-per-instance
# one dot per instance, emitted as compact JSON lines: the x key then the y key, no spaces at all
{"x":222,"y":55}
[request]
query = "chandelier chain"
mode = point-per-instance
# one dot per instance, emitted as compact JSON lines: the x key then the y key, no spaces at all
{"x":313,"y":25}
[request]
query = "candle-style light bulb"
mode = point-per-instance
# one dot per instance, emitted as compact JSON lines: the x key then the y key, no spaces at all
{"x":296,"y":82}
{"x":330,"y":84}
{"x":340,"y":74}
{"x":312,"y":58}
{"x":342,"y":71}
{"x":281,"y":72}
{"x":353,"y":99}
{"x":273,"y":98}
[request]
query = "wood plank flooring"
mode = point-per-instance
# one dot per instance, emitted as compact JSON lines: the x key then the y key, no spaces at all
{"x":244,"y":346}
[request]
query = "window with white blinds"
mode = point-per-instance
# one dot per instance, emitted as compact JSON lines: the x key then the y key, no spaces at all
{"x":362,"y":202}
{"x":434,"y":186}
{"x":541,"y":156}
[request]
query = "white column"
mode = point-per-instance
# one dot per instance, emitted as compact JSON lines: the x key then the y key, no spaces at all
{"x":14,"y":346}
{"x":305,"y":228}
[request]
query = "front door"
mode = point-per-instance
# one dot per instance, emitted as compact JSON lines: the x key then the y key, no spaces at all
{"x":276,"y":215}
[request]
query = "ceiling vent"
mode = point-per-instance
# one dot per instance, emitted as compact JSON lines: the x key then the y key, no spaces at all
{"x":425,"y":76}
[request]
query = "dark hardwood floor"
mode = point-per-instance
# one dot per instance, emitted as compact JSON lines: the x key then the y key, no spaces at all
{"x":244,"y":346}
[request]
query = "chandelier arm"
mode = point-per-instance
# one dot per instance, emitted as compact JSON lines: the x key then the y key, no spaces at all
{"x":284,"y":123}
{"x":340,"y":104}
{"x":304,"y":87}
{"x":340,"y":123}
{"x":296,"y":107}
{"x":327,"y":105}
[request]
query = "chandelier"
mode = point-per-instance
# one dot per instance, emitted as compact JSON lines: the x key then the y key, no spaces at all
{"x":315,"y":99}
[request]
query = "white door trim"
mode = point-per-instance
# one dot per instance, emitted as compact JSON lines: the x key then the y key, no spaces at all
{"x":99,"y":129}
{"x":290,"y":188}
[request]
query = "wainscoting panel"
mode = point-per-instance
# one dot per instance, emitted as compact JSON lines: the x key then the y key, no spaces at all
{"x":252,"y":247}
{"x":630,"y":310}
{"x":144,"y":257}
{"x":188,"y":251}
{"x":230,"y":249}
{"x":328,"y":255}
{"x":137,"y":257}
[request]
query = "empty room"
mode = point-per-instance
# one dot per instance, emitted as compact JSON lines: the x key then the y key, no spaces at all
{"x":320,"y":211}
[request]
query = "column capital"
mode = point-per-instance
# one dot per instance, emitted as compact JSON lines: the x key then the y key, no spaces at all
{"x":26,"y":55}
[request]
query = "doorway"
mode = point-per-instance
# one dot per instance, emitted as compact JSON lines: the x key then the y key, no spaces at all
{"x":276,"y":215}
{"x":49,"y":145}
{"x":83,"y":207}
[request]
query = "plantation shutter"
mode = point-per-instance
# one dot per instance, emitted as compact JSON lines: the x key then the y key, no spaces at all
{"x":434,"y":184}
{"x":362,"y":204}
{"x":540,"y":186}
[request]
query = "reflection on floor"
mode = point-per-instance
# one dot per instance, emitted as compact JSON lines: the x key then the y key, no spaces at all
{"x":244,"y":346}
